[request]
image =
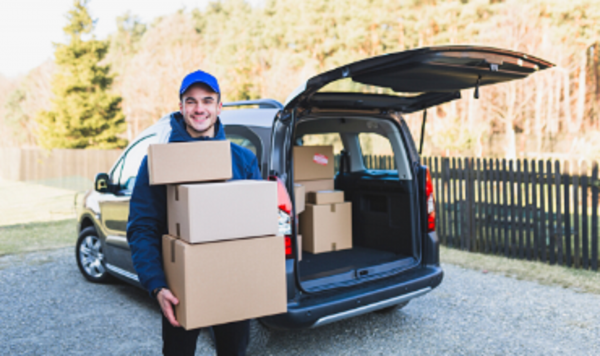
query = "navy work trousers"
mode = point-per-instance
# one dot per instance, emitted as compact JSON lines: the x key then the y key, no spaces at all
{"x":230,"y":339}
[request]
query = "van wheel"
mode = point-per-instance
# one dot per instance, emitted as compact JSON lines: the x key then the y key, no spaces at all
{"x":259,"y":337}
{"x":90,"y":257}
{"x":391,"y":309}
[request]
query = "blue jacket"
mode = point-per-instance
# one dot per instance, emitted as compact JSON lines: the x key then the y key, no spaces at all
{"x":148,"y":206}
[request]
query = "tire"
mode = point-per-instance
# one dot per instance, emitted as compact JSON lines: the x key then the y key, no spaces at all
{"x":90,"y":256}
{"x":391,"y":309}
{"x":259,"y":337}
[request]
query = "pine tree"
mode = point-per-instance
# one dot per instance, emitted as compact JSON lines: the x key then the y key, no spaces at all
{"x":84,"y":114}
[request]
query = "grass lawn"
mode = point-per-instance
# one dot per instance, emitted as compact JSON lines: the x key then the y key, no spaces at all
{"x":26,"y":202}
{"x":580,"y":280}
{"x":37,"y":236}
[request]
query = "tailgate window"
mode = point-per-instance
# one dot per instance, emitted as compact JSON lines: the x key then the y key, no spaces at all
{"x":377,"y":152}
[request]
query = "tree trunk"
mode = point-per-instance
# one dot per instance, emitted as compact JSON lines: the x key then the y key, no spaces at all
{"x":580,"y":95}
{"x":539,"y":97}
{"x":509,"y":127}
{"x":566,"y":99}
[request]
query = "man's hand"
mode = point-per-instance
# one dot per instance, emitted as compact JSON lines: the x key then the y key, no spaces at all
{"x":166,"y":300}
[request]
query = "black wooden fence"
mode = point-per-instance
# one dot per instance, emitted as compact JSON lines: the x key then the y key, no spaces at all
{"x":525,"y":209}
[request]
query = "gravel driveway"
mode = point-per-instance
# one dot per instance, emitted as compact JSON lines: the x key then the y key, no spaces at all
{"x":47,"y":308}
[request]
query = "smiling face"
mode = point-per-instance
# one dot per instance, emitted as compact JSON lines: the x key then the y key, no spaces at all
{"x":200,"y":108}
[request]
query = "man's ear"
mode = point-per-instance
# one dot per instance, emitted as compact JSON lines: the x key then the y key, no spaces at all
{"x":219,"y":108}
{"x":181,"y":107}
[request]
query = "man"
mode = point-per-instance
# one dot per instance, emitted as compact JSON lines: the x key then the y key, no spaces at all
{"x":200,"y":105}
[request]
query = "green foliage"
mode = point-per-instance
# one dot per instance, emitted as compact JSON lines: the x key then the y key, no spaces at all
{"x":84,"y":113}
{"x":126,"y":41}
{"x":15,"y":116}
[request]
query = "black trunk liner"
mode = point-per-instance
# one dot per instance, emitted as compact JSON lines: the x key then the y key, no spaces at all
{"x":331,"y":263}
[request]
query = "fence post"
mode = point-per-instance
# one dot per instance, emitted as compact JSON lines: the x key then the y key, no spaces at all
{"x":542,"y":212}
{"x":526,"y":227}
{"x":595,"y":186}
{"x":447,"y":211}
{"x":584,"y":216}
{"x":489,"y":216}
{"x":519,"y":210}
{"x":559,"y":228}
{"x":576,"y":221}
{"x":479,"y":238}
{"x":566,"y":179}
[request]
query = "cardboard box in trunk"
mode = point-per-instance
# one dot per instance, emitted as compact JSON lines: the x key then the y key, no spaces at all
{"x":316,"y":185}
{"x":313,"y":162}
{"x":208,"y":212}
{"x":226,"y":281}
{"x":185,"y":162}
{"x":326,"y":227}
{"x":299,"y":197}
{"x":325,"y":197}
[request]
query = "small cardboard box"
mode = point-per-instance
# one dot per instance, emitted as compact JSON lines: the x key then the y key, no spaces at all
{"x":299,"y":197}
{"x":185,"y":162}
{"x":326,"y":227}
{"x":225,"y":281}
{"x":316,"y":185}
{"x":325,"y":197}
{"x":313,"y":162}
{"x":208,"y":212}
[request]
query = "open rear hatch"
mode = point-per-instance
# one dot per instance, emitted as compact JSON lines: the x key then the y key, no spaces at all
{"x":387,"y":227}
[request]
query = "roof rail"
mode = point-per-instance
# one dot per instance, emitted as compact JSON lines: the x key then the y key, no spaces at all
{"x":262,"y":104}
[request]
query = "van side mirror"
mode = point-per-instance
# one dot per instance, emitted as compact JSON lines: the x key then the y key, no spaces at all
{"x":101,"y":183}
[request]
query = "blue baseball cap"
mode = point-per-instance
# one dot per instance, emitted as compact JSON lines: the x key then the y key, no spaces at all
{"x":199,"y":77}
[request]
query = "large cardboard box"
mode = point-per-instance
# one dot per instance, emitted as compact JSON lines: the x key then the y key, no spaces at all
{"x":325,"y":197}
{"x":313,"y":163}
{"x":185,"y":162}
{"x":316,"y":185}
{"x":225,"y":281}
{"x":326,"y":227}
{"x":207,"y":212}
{"x":299,"y":197}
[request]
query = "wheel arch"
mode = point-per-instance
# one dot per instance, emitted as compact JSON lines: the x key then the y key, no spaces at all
{"x":85,"y":223}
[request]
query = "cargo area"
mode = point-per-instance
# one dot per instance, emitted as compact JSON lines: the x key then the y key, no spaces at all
{"x":383,"y":207}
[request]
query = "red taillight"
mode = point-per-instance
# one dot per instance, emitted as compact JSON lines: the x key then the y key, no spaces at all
{"x":430,"y":203}
{"x":284,"y":203}
{"x":283,"y":198}
{"x":288,"y":247}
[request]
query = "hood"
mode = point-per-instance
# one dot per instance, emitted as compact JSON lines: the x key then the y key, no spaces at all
{"x":180,"y":134}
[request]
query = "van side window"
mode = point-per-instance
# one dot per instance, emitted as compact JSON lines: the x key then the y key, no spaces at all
{"x":376,"y":151}
{"x":245,"y":137}
{"x":126,"y":171}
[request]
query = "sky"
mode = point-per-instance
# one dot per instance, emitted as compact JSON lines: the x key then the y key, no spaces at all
{"x":29,"y":27}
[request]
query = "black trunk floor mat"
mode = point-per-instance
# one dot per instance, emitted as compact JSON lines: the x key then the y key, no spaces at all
{"x":326,"y":264}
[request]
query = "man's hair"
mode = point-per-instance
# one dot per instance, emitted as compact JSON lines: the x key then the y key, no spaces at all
{"x":203,"y":86}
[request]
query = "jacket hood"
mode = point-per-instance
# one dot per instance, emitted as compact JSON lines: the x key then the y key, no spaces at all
{"x":180,"y":134}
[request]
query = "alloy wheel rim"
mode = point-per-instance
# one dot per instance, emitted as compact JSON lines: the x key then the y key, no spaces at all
{"x":91,"y":256}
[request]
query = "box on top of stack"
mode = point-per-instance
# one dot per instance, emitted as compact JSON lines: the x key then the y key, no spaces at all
{"x":326,"y":223}
{"x":183,"y":162}
{"x":222,"y":258}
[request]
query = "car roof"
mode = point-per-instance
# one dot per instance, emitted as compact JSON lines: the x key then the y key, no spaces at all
{"x":262,"y":118}
{"x":249,"y":117}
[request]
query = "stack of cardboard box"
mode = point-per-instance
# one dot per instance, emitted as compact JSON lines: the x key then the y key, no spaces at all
{"x":326,"y":223}
{"x":222,"y":257}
